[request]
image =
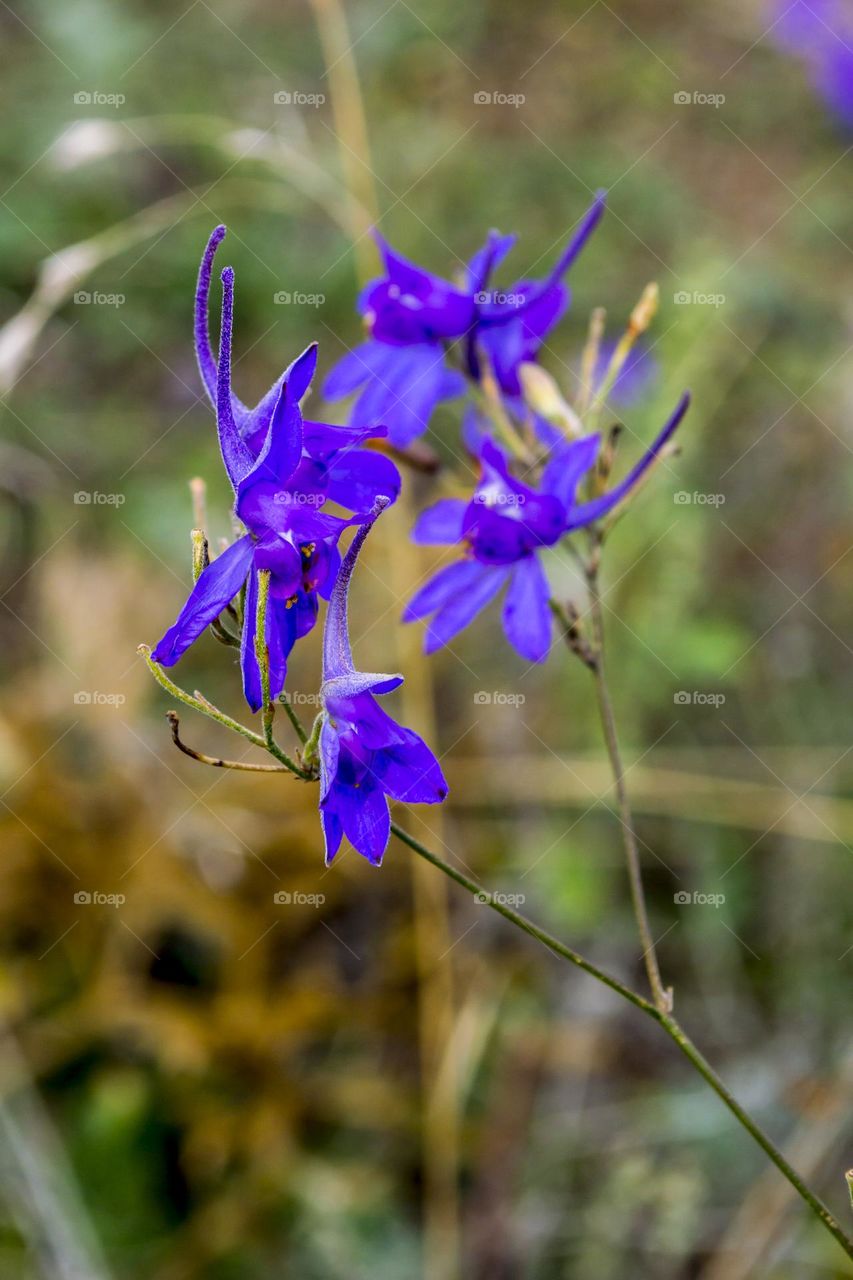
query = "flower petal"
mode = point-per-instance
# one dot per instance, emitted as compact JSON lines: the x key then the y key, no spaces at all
{"x":526,"y":615}
{"x":568,"y":464}
{"x":235,"y":453}
{"x":364,"y":815}
{"x":333,"y":831}
{"x":248,"y":658}
{"x":454,"y":616}
{"x":216,"y":587}
{"x":442,"y":587}
{"x":409,"y":771}
{"x":407,"y":384}
{"x":440,"y":523}
{"x":203,"y":350}
{"x":330,"y":749}
{"x":598,"y":507}
{"x":357,"y":477}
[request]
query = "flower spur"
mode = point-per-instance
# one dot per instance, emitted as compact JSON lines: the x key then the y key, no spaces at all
{"x":366,"y":757}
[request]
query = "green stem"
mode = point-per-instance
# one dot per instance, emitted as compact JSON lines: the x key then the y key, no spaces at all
{"x":707,"y":1072}
{"x":200,"y":704}
{"x":294,"y":720}
{"x":547,"y":940}
{"x":664,"y":1019}
{"x":662,"y":997}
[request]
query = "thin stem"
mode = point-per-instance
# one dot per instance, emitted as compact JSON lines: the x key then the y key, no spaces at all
{"x":688,"y":1048}
{"x":298,"y":726}
{"x":662,"y":1017}
{"x":662,"y":997}
{"x":547,"y":940}
{"x":216,"y":762}
{"x":201,"y":704}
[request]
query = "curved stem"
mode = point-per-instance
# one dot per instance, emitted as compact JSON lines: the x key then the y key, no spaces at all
{"x":662,"y":1017}
{"x":216,"y":762}
{"x":548,"y":940}
{"x":709,"y":1075}
{"x":662,"y":997}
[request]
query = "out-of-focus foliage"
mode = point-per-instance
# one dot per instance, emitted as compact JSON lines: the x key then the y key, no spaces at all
{"x":238,"y":1080}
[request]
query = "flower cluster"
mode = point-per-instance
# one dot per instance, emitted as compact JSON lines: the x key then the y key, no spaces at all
{"x":417,"y":320}
{"x":543,"y":474}
{"x":502,"y":530}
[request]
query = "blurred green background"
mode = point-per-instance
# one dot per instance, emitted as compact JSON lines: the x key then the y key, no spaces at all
{"x":202,"y":1083}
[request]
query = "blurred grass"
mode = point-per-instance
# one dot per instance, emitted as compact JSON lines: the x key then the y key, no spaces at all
{"x":237,"y":1083}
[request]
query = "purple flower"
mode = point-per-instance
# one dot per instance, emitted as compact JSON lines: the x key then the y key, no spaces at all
{"x":820,"y":32}
{"x":365,"y":756}
{"x":413,"y":316}
{"x":333,"y":465}
{"x":502,"y":529}
{"x":287,"y":533}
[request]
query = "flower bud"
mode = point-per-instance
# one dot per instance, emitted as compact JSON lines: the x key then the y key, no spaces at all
{"x":544,"y":397}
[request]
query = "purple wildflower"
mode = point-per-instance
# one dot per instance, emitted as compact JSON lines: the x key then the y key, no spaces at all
{"x":413,"y":316}
{"x":287,"y":533}
{"x":502,"y":529}
{"x":365,"y":756}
